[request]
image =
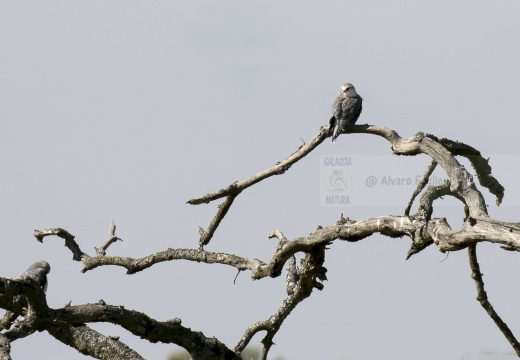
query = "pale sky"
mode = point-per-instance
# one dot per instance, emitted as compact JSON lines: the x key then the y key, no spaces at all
{"x":125,"y":110}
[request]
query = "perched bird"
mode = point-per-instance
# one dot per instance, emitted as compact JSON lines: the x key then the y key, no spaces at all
{"x":345,"y":110}
{"x":38,"y":272}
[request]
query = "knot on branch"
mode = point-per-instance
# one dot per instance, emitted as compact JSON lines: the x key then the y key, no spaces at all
{"x":282,"y":169}
{"x":419,"y":136}
{"x":174,"y":321}
{"x":343,"y":220}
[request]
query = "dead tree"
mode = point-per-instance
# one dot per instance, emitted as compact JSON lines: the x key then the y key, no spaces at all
{"x":70,"y":323}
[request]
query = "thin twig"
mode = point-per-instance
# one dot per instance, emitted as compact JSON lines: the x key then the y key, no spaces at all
{"x":484,"y":301}
{"x":77,"y":254}
{"x":111,"y":239}
{"x":311,"y":269}
{"x":421,"y":185}
{"x":278,"y":169}
{"x":205,"y":236}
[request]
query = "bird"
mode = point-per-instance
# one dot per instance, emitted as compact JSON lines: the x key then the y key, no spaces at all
{"x":346,"y":109}
{"x":38,"y":272}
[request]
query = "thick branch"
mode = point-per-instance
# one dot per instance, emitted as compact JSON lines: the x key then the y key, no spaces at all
{"x":41,"y":317}
{"x":25,"y":327}
{"x":460,"y":179}
{"x":5,"y":348}
{"x":33,"y":295}
{"x":479,"y":163}
{"x":89,"y":342}
{"x":7,"y":320}
{"x":139,"y":324}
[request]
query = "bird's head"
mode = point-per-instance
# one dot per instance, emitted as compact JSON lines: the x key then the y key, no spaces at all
{"x":38,"y":272}
{"x":44,"y":265}
{"x":348,"y":89}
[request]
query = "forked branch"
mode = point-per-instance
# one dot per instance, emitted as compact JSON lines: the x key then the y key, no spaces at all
{"x":421,"y":228}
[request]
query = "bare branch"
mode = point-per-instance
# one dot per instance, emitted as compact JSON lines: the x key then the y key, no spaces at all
{"x":69,"y":240}
{"x":205,"y":236}
{"x":32,"y":293}
{"x":422,"y":233}
{"x":136,"y":265}
{"x":461,"y":181}
{"x":430,"y":195}
{"x":419,"y":227}
{"x":292,"y":277}
{"x":421,"y":185}
{"x":7,"y":320}
{"x":40,"y":317}
{"x":479,"y":163}
{"x":279,"y":235}
{"x":89,"y":342}
{"x":111,"y":239}
{"x":484,"y":301}
{"x":5,"y":348}
{"x":278,"y":169}
{"x":311,"y":269}
{"x":139,"y":324}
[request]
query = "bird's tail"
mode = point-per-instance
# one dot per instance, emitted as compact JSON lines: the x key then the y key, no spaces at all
{"x":333,"y":129}
{"x":335,"y":134}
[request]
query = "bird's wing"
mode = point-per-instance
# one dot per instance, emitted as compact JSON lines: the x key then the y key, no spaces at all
{"x":337,"y":113}
{"x":39,"y":275}
{"x":332,"y":124}
{"x":337,"y":106}
{"x":351,"y":109}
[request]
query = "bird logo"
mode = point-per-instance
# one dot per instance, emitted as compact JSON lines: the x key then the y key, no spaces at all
{"x":338,"y":181}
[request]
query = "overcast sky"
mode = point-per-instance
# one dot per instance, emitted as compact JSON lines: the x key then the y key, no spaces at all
{"x":125,"y":110}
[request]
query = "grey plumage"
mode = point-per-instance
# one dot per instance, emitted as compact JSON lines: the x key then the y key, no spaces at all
{"x":38,"y":272}
{"x":345,"y":110}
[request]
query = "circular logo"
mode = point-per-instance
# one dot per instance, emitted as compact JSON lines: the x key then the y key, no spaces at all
{"x":338,"y":181}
